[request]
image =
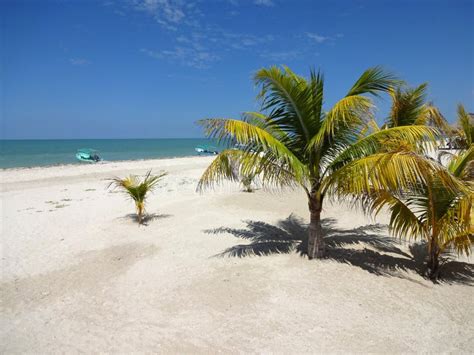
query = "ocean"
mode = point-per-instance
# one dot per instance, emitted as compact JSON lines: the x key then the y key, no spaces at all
{"x":30,"y":153}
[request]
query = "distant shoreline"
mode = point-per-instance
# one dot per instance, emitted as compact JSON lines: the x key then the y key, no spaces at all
{"x":103,"y":162}
{"x":45,"y":153}
{"x":18,"y":178}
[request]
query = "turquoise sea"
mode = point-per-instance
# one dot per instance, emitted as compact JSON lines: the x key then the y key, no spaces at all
{"x":29,"y":153}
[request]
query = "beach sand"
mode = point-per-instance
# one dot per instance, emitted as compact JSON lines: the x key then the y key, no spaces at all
{"x":79,"y":275}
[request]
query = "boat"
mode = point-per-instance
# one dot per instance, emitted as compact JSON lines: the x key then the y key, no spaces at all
{"x":244,"y":147}
{"x":88,"y":155}
{"x":205,"y":149}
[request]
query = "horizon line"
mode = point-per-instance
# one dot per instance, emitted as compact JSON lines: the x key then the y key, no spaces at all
{"x":70,"y":139}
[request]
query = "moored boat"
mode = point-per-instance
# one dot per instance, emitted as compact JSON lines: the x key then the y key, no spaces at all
{"x":205,"y":149}
{"x":88,"y":155}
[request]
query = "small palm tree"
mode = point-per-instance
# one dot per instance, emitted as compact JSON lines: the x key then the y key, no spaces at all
{"x":295,"y":142}
{"x":436,"y":210}
{"x":247,"y":181}
{"x":138,"y":189}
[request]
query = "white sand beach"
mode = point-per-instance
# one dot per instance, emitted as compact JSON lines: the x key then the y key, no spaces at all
{"x":79,"y":274}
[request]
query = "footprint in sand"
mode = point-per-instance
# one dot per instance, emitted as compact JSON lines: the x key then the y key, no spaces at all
{"x":57,"y":204}
{"x":187,"y":181}
{"x":26,"y":209}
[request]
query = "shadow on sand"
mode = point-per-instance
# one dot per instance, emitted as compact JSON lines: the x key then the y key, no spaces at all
{"x":146,"y":219}
{"x":374,"y":251}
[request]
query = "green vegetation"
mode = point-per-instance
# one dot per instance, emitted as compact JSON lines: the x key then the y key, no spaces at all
{"x":463,"y":134}
{"x":294,"y":141}
{"x":437,"y":210}
{"x":246,"y":182}
{"x":138,"y":189}
{"x":409,"y":107}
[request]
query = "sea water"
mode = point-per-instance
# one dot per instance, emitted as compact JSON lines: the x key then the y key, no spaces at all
{"x":30,"y":153}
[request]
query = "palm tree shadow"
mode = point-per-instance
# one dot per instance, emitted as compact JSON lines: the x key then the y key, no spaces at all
{"x":146,"y":219}
{"x":367,"y":247}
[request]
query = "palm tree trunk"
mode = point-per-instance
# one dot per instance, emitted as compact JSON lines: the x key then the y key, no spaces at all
{"x":316,"y":247}
{"x":433,"y":260}
{"x":139,"y":213}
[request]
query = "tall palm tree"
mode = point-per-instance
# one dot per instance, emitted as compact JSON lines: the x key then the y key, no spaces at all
{"x":436,"y":210}
{"x":138,"y":189}
{"x":294,"y":141}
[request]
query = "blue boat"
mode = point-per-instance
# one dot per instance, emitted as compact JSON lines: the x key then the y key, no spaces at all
{"x":88,"y":155}
{"x":206,"y":149}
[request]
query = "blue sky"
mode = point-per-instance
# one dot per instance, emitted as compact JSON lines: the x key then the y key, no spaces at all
{"x":151,"y":68}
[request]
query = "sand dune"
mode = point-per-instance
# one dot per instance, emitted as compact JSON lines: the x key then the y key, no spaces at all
{"x":79,"y":275}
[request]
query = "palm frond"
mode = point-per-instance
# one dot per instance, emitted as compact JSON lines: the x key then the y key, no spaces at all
{"x":262,"y":121}
{"x":347,"y":114}
{"x":223,"y":167}
{"x":256,"y":138}
{"x":391,"y":171}
{"x":467,"y":126}
{"x":436,"y":119}
{"x":418,"y":138}
{"x":455,"y":223}
{"x":462,"y":165}
{"x":408,"y":106}
{"x":230,"y":164}
{"x":369,"y":127}
{"x":373,"y":81}
{"x":286,"y":96}
{"x":316,"y":89}
{"x":404,"y":222}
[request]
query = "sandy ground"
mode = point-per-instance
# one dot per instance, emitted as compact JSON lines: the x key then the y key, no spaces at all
{"x":79,"y":275}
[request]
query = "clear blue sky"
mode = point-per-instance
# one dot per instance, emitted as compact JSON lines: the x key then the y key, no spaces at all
{"x":151,"y":68}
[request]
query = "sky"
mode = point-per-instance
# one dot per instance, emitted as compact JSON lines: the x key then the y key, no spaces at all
{"x":152,"y":68}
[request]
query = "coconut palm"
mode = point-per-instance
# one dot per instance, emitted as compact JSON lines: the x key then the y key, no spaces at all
{"x":138,"y":189}
{"x":463,"y":135}
{"x":409,"y":107}
{"x":295,"y":142}
{"x":437,"y":212}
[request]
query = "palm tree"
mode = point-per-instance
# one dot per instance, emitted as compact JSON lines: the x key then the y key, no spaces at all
{"x":432,"y":209}
{"x":327,"y":153}
{"x":138,"y":189}
{"x":463,"y":135}
{"x":436,"y":210}
{"x":247,"y":181}
{"x":409,"y":107}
